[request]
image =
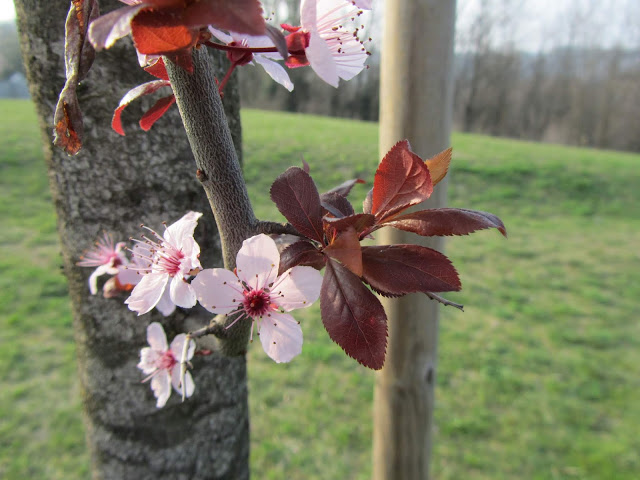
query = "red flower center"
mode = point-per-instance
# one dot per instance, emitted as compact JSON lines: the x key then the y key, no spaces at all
{"x":256,"y":303}
{"x":166,"y":361}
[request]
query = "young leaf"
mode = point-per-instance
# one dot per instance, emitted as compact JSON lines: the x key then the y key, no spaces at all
{"x":402,"y":180}
{"x":359,"y":221}
{"x":353,"y":316}
{"x":130,"y":96}
{"x":104,"y":31}
{"x":368,"y":201}
{"x":346,"y":249}
{"x":336,"y":204}
{"x":155,"y":112}
{"x":401,"y":269}
{"x":296,"y":196}
{"x":446,"y":221}
{"x":438,"y":165}
{"x":156,"y":32}
{"x":345,"y":187}
{"x":300,"y":253}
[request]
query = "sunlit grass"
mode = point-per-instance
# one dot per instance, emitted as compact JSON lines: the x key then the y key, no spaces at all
{"x":537,"y":379}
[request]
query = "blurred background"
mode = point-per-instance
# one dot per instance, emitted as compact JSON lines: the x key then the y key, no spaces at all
{"x":538,"y":379}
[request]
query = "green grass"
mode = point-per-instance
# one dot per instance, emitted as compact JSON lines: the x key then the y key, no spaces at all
{"x":538,"y":379}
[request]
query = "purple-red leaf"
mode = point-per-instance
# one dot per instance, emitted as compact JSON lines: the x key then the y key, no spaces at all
{"x":157,"y":111}
{"x":241,"y":16}
{"x":300,"y":253}
{"x":131,"y":95}
{"x":346,"y":248}
{"x":401,"y":269}
{"x":79,"y":55}
{"x":345,"y":187}
{"x":402,"y":180}
{"x":336,"y":204}
{"x":446,"y":221}
{"x":353,"y":316}
{"x":104,"y":31}
{"x":296,"y":196}
{"x":359,"y":221}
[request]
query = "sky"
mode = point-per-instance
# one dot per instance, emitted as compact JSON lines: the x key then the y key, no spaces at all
{"x":7,"y":12}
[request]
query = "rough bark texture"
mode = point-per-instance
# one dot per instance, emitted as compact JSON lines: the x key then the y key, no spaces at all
{"x":416,"y":100}
{"x":114,"y":184}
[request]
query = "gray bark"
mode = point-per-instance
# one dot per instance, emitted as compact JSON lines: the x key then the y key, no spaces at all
{"x":415,"y":103}
{"x":114,"y":184}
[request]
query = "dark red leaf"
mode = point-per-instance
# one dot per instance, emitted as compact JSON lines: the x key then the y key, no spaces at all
{"x":401,"y":269}
{"x":300,"y":253}
{"x":79,"y":55}
{"x":446,"y":221}
{"x":158,"y":32}
{"x":241,"y":16}
{"x":131,"y":95}
{"x":104,"y":31}
{"x":402,"y":180}
{"x":157,"y":111}
{"x":346,"y":249}
{"x":353,"y":316}
{"x":345,"y":187}
{"x":336,"y":204}
{"x":296,"y":196}
{"x":359,"y":221}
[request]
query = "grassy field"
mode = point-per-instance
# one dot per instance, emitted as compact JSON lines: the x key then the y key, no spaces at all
{"x":538,"y":379}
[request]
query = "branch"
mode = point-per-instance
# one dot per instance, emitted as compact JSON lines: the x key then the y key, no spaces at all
{"x":444,"y":301}
{"x":270,"y":228}
{"x":218,"y":168}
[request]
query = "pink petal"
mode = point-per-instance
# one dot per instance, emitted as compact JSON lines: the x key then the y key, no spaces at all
{"x":188,"y":381}
{"x":161,"y":386}
{"x":191,"y":251}
{"x":156,"y":337}
{"x":147,"y":293}
{"x":258,"y":261}
{"x":182,"y":294}
{"x":179,"y":231}
{"x":321,"y":59}
{"x":177,"y":344}
{"x":281,"y":336}
{"x":165,"y":306}
{"x":129,"y":276}
{"x":105,"y":30}
{"x":308,"y":14}
{"x":218,"y":290}
{"x":297,"y":288}
{"x":363,"y":4}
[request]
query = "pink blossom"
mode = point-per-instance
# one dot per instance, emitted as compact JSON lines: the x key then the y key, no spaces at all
{"x":109,"y":258}
{"x":258,"y":293}
{"x":162,"y":364}
{"x":265,"y":60}
{"x":332,"y":49}
{"x":165,"y":263}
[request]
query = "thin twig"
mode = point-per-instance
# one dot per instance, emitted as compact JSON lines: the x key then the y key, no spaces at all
{"x":444,"y":301}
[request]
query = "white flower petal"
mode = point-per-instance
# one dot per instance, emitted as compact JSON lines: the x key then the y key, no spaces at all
{"x":148,"y":357}
{"x":147,"y":293}
{"x":218,"y":290}
{"x":321,"y":59}
{"x":297,"y":288}
{"x":129,"y":275}
{"x":182,"y":294}
{"x":308,"y":12}
{"x":93,"y":279}
{"x":177,"y":232}
{"x":161,"y":386}
{"x":188,"y":381}
{"x":275,"y":71}
{"x":156,"y":337}
{"x":165,"y":306}
{"x":281,"y":336}
{"x":176,"y":347}
{"x":258,"y":261}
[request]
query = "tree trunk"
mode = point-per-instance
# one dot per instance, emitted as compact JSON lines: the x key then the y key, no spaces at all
{"x":114,"y":184}
{"x":415,"y":103}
